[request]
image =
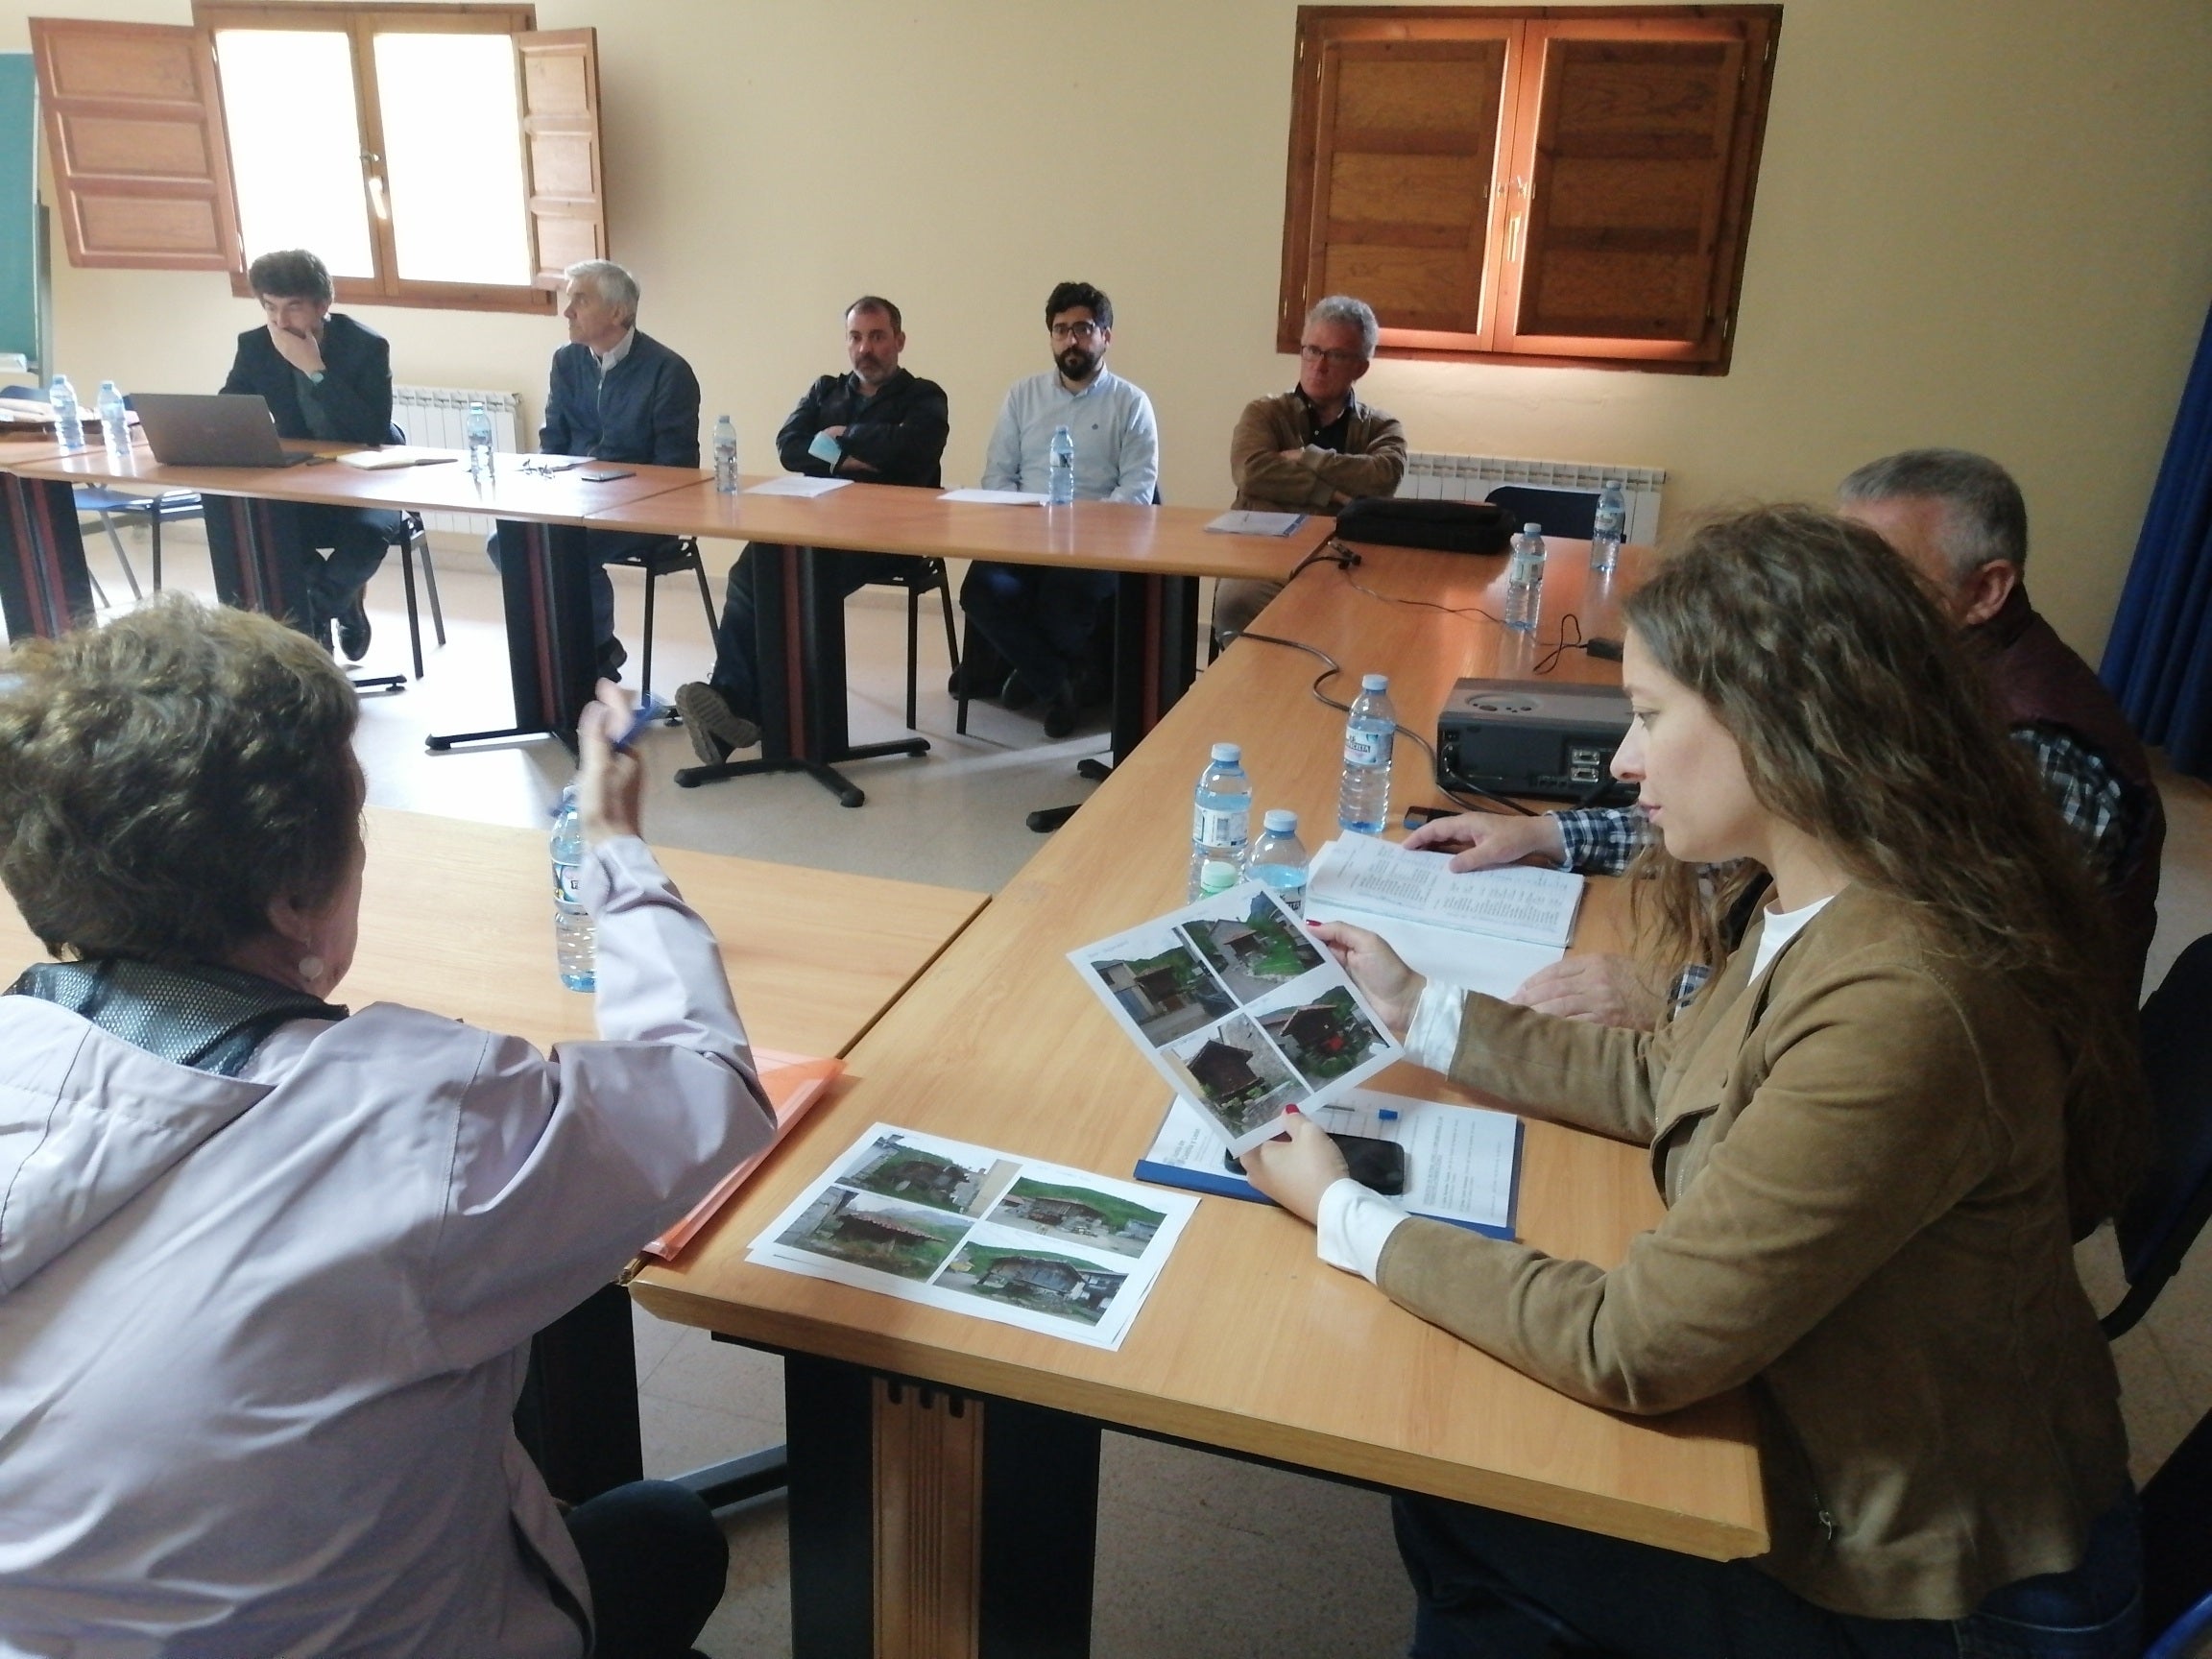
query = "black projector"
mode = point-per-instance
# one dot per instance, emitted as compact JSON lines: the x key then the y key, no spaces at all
{"x":1534,"y":737}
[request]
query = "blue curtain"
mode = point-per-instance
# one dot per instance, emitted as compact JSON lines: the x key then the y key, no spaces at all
{"x":2159,"y":660}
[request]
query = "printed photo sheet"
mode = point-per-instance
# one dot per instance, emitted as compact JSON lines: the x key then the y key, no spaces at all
{"x":1519,"y":901}
{"x":972,"y":1231}
{"x":1241,"y":1009}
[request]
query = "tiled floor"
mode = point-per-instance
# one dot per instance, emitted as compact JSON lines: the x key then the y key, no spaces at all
{"x":1198,"y":1555}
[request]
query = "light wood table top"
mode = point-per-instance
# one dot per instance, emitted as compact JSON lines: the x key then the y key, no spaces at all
{"x":1248,"y":1341}
{"x":893,"y":518}
{"x":457,"y":917}
{"x":445,"y":486}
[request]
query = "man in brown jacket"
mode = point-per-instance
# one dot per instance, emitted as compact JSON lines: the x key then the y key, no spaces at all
{"x":1314,"y":448}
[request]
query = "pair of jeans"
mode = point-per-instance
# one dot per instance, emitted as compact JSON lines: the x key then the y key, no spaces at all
{"x":657,"y":1564}
{"x":736,"y":669}
{"x":1039,"y":618}
{"x":358,"y":539}
{"x":599,"y":547}
{"x":1504,"y":1587}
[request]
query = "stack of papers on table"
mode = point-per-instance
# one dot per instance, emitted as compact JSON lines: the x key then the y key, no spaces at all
{"x":968,"y":1230}
{"x":393,"y":455}
{"x":995,"y":497}
{"x":799,"y":486}
{"x":1462,"y":1163}
{"x":1486,"y":929}
{"x":1256,"y":523}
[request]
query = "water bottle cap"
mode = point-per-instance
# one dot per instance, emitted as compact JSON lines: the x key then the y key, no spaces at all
{"x":1374,"y":682}
{"x":1612,"y":483}
{"x":1228,"y":754}
{"x":1531,"y":529}
{"x":1280,"y":820}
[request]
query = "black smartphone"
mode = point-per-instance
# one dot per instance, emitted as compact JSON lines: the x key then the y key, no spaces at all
{"x":604,"y":478}
{"x":1376,"y":1164}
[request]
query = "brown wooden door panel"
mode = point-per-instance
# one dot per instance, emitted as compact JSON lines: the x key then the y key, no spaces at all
{"x":1630,"y":162}
{"x":134,"y":134}
{"x":1394,"y":153}
{"x":563,"y":151}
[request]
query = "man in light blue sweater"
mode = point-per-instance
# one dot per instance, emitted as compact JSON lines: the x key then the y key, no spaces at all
{"x":1038,"y":617}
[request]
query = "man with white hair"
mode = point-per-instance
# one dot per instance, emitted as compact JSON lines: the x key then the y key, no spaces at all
{"x":617,"y":394}
{"x":1315,"y":446}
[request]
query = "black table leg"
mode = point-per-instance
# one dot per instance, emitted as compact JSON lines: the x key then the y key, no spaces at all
{"x":45,"y":589}
{"x":799,"y":653}
{"x":255,"y":548}
{"x":829,"y":1432}
{"x":1039,"y":1532}
{"x":552,"y":656}
{"x":578,"y":1414}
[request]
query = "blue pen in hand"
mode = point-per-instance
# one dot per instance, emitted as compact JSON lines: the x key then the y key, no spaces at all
{"x":649,"y":709}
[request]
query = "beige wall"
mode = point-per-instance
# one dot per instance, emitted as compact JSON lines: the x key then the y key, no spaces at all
{"x":1977,"y":223}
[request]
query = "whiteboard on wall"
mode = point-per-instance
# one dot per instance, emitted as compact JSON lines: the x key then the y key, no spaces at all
{"x":19,"y":252}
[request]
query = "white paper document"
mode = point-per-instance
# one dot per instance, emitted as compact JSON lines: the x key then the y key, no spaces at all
{"x":393,"y":456}
{"x":1241,"y":1009}
{"x":1462,"y":1163}
{"x":997,"y":498}
{"x":1248,"y":523}
{"x":798,"y":486}
{"x":1367,"y":873}
{"x":971,"y":1231}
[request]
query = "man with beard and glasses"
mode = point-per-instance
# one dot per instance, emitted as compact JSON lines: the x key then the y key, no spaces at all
{"x":878,"y":424}
{"x":1040,"y":618}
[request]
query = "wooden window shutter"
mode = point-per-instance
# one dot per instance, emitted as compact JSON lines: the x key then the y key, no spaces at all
{"x":561,"y":150}
{"x":1393,"y":148}
{"x":1636,"y":143}
{"x":135,"y":127}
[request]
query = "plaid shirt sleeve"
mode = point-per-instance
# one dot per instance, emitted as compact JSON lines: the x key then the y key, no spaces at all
{"x":2092,"y":801}
{"x":1602,"y":840}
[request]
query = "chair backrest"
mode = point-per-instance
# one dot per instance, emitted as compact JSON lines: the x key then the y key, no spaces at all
{"x":393,"y":434}
{"x":2164,"y":1217}
{"x":1569,"y":512}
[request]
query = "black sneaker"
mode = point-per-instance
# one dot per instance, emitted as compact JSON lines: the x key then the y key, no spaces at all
{"x":1061,"y":713}
{"x":715,"y":728}
{"x":353,"y":621}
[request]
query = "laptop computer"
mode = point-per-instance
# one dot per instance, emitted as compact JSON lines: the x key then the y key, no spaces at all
{"x":225,"y":429}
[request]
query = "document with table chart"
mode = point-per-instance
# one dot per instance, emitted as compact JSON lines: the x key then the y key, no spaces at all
{"x":1484,"y":929}
{"x":971,"y":1231}
{"x":1462,"y":1163}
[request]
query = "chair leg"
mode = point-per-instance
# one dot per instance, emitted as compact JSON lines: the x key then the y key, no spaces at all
{"x":414,"y":615}
{"x":154,"y":523}
{"x":951,"y":635}
{"x":645,"y":674}
{"x":706,"y":592}
{"x":99,"y":593}
{"x":430,"y":582}
{"x":107,"y":523}
{"x":913,"y":649}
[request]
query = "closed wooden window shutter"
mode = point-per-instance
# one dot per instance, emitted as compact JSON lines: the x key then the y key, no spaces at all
{"x":1631,"y":168}
{"x":560,"y":141}
{"x":1392,"y":170}
{"x":135,"y":127}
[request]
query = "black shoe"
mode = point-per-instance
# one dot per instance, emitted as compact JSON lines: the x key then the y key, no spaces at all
{"x":353,"y":621}
{"x":610,"y":657}
{"x":1017,"y":693}
{"x":1061,"y":713}
{"x":965,"y":682}
{"x":715,"y":728}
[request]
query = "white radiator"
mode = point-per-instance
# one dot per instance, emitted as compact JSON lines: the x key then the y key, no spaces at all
{"x":1472,"y":478}
{"x":436,"y":417}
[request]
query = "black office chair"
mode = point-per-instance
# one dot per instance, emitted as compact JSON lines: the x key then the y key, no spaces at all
{"x":413,"y":542}
{"x":666,"y":559}
{"x":1569,"y":512}
{"x":925,"y":576}
{"x":2174,"y":1201}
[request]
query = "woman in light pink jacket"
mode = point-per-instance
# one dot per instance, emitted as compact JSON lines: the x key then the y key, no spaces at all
{"x":269,"y":1270}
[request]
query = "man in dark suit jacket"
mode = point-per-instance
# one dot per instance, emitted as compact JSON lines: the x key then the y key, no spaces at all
{"x":323,"y":376}
{"x":878,"y":425}
{"x":617,"y":394}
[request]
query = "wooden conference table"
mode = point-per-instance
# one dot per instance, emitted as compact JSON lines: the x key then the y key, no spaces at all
{"x":1159,"y":552}
{"x":943,"y":1470}
{"x":455,"y":917}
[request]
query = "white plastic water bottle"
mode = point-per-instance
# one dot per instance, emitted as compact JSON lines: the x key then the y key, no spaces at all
{"x":1221,"y":823}
{"x":68,"y":418}
{"x":1606,"y":531}
{"x":479,"y":431}
{"x":1525,"y":579}
{"x":1059,"y":474}
{"x":575,"y":935}
{"x":726,"y":456}
{"x":1370,"y":735}
{"x":1278,"y":859}
{"x":115,"y":425}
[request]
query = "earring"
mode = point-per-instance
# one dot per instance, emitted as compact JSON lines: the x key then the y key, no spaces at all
{"x":311,"y":971}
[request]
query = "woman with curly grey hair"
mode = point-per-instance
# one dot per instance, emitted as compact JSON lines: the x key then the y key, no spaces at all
{"x":269,"y":1269}
{"x":1865,"y":1127}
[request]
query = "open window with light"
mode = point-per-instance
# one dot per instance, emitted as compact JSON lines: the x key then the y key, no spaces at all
{"x":432,"y":155}
{"x":1544,"y":185}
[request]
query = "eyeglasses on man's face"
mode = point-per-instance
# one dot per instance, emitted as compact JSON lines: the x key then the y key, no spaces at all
{"x":1326,"y":354}
{"x":1084,"y":332}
